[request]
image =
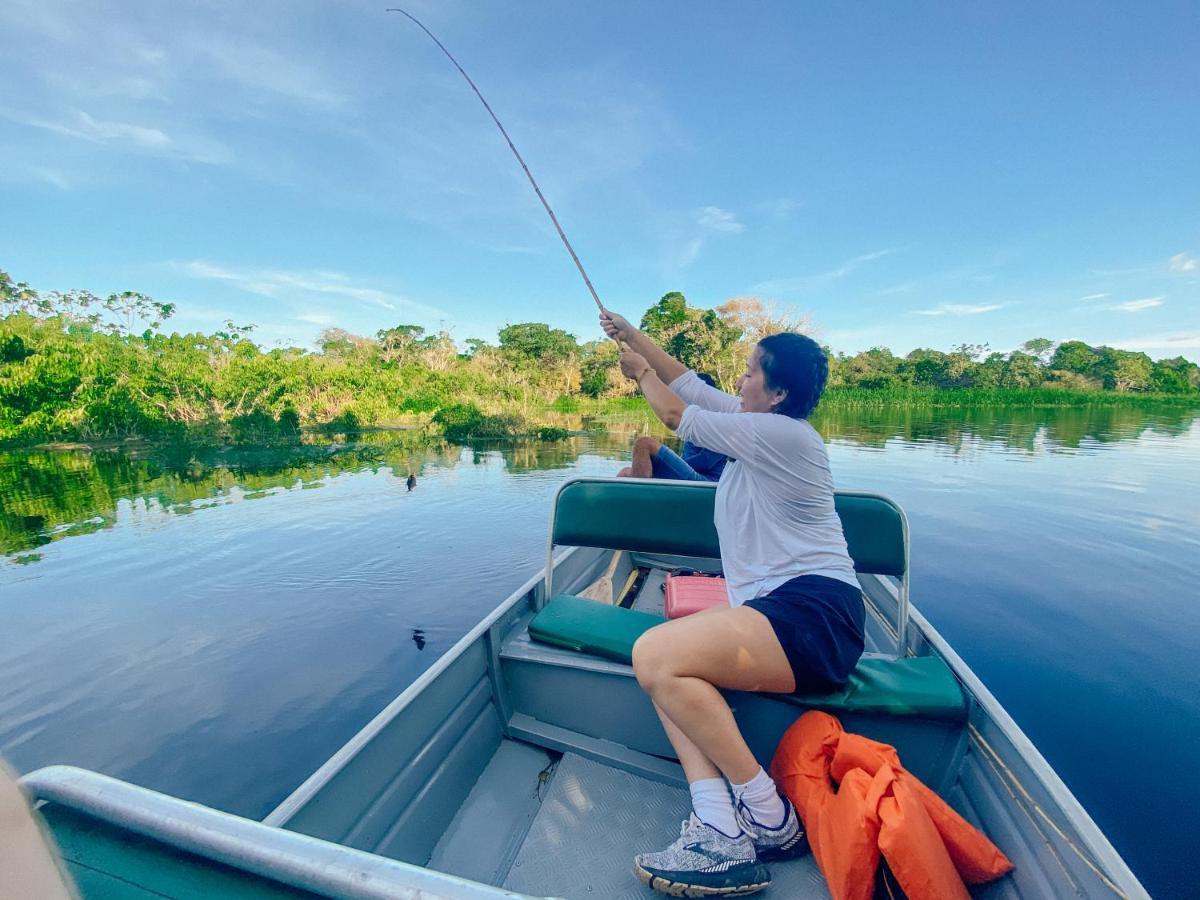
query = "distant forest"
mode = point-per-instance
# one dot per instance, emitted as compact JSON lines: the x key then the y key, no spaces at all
{"x":76,"y":366}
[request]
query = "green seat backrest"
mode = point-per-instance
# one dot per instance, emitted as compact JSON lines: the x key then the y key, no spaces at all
{"x":659,"y":517}
{"x":876,"y":533}
{"x":639,"y":515}
{"x":917,"y":686}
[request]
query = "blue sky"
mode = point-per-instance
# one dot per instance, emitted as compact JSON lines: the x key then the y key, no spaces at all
{"x":906,"y":174}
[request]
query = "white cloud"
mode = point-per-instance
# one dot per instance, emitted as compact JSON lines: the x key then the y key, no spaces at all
{"x":316,"y":318}
{"x":847,"y":267}
{"x":958,"y":309}
{"x":1138,"y":305}
{"x":718,"y":219}
{"x":51,"y":177}
{"x":682,"y":242}
{"x":85,"y":127}
{"x":127,"y":136}
{"x":1125,"y":273}
{"x":906,"y":287}
{"x":139,"y":135}
{"x":820,"y":280}
{"x":1093,"y":297}
{"x":1181,"y":262}
{"x":1171,"y":341}
{"x":281,"y":283}
{"x":688,"y":255}
{"x":264,"y":70}
{"x":779,"y":208}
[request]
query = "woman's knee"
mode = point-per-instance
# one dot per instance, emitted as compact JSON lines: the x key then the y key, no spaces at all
{"x":651,"y":659}
{"x":647,"y":445}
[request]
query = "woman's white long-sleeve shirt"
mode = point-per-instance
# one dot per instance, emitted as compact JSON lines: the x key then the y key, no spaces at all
{"x":774,"y":507}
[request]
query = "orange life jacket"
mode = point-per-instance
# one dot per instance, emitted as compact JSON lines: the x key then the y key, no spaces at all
{"x":879,"y":809}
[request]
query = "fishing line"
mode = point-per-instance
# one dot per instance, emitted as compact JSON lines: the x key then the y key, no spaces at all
{"x":553,"y":218}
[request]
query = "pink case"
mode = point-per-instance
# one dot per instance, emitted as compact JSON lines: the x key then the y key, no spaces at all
{"x":687,"y":594}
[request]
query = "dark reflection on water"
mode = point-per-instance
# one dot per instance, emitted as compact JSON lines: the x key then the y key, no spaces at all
{"x":171,"y":614}
{"x":49,"y":495}
{"x":1031,"y":429}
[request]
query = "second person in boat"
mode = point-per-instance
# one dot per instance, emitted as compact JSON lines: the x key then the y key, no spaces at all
{"x":796,"y":612}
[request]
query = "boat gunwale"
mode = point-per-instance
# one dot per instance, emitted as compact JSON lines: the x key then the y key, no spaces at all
{"x":285,"y":857}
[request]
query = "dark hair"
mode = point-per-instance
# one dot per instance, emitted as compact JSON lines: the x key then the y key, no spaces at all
{"x":707,"y":379}
{"x":795,"y":364}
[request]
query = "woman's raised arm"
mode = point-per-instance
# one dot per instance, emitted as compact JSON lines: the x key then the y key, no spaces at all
{"x":665,"y":402}
{"x":667,"y":367}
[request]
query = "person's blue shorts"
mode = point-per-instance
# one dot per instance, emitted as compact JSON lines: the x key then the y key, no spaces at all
{"x":819,"y":622}
{"x":666,"y":463}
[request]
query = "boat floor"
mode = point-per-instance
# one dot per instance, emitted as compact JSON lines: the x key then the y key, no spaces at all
{"x":588,"y":821}
{"x":563,"y":825}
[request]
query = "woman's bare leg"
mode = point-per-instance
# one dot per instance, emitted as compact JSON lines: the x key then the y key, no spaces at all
{"x":681,"y":664}
{"x":643,"y":449}
{"x":696,"y":765}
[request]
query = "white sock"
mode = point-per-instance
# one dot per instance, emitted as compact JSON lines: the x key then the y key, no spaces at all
{"x":762,"y":799}
{"x":713,"y":806}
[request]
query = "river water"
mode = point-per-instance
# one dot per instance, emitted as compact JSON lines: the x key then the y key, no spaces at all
{"x":214,"y":624}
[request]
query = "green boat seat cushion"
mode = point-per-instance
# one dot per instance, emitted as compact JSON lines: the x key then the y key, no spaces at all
{"x":919,"y":686}
{"x":590,"y":627}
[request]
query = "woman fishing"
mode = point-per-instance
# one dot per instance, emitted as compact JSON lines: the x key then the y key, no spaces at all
{"x":796,"y":616}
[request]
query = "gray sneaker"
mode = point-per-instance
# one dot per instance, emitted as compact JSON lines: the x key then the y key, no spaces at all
{"x":703,"y":863}
{"x":785,"y":842}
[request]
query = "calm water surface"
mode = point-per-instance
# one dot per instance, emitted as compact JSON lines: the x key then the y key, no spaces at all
{"x":216,"y":624}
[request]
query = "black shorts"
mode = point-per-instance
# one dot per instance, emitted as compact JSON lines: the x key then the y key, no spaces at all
{"x":819,"y":623}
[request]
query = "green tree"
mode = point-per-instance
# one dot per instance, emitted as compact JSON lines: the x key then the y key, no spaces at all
{"x":698,"y":338}
{"x":666,"y":315}
{"x":339,"y":342}
{"x":396,"y":343}
{"x":1175,"y":376}
{"x":875,"y":368}
{"x":599,"y":372}
{"x":1124,"y":370}
{"x":990,"y":372}
{"x":1021,"y":370}
{"x":929,"y":368}
{"x":1075,"y":356}
{"x":16,"y":296}
{"x":474,"y":347}
{"x":1039,"y":348}
{"x":536,"y":340}
{"x":130,"y":306}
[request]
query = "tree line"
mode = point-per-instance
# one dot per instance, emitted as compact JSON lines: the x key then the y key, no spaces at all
{"x":76,"y":366}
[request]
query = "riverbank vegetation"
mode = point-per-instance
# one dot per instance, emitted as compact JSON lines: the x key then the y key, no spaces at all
{"x":75,"y":366}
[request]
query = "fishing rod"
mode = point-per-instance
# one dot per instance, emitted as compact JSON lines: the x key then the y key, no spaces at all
{"x":553,"y":218}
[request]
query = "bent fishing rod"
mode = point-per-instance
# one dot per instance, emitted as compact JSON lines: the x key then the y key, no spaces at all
{"x":553,"y":218}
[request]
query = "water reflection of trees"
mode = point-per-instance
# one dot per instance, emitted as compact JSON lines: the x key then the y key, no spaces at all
{"x":1013,"y":428}
{"x":48,"y":495}
{"x":45,"y":496}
